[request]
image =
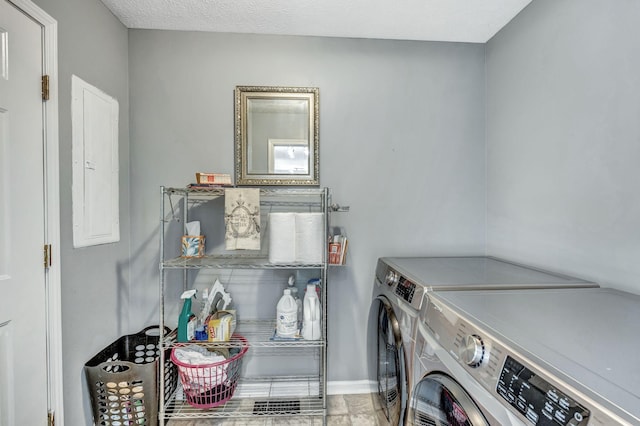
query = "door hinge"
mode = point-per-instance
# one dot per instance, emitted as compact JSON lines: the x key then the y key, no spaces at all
{"x":45,"y":87}
{"x":51,"y":419}
{"x":47,"y":256}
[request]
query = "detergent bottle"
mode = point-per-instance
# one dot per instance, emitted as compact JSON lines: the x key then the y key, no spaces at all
{"x":186,"y":320}
{"x":287,"y":315}
{"x":311,"y":313}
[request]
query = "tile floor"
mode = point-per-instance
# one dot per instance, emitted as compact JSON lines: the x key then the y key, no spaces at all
{"x":343,"y":410}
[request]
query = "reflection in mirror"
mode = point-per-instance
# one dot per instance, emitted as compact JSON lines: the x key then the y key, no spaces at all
{"x":288,"y":156}
{"x":276,"y":136}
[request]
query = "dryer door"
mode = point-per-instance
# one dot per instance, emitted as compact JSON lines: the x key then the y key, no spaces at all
{"x":439,"y":400}
{"x":391,"y":368}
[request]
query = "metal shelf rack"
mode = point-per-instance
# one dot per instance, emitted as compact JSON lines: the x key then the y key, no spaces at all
{"x":261,"y":398}
{"x":255,"y":397}
{"x":232,"y":262}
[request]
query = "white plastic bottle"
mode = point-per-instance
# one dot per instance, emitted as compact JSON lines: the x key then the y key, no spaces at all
{"x":287,"y":315}
{"x":311,"y":313}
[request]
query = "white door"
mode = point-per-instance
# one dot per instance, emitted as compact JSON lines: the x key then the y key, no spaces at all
{"x":23,"y":326}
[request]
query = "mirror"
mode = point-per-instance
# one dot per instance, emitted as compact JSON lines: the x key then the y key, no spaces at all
{"x":276,"y":138}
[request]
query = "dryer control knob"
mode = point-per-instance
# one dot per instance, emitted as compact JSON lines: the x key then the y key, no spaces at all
{"x":391,"y":278}
{"x":473,"y":350}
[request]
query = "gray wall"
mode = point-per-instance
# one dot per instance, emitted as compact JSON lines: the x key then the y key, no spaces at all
{"x":92,"y":44}
{"x":563,"y":139}
{"x":401,"y":143}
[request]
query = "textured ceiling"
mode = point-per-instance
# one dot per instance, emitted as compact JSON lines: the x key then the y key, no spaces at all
{"x":474,"y":21}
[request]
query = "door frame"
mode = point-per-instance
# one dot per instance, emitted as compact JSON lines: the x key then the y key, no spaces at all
{"x":52,"y":205}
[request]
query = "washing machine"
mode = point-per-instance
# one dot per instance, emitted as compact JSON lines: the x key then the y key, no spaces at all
{"x":528,"y":357}
{"x":444,"y":393}
{"x":397,"y":304}
{"x":399,"y":289}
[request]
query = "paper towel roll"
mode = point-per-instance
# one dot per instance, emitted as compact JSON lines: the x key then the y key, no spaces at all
{"x":282,"y":237}
{"x":309,"y":241}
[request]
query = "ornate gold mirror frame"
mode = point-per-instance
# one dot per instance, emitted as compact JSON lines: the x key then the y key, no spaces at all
{"x":276,"y":135}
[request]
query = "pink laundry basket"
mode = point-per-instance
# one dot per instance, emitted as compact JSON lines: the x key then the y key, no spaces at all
{"x":210,"y":385}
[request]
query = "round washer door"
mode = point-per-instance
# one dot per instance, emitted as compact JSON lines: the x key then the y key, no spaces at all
{"x":391,"y":368}
{"x":439,"y":400}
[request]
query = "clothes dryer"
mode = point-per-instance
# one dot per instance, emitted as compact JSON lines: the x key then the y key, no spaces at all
{"x":399,"y":289}
{"x":525,"y":357}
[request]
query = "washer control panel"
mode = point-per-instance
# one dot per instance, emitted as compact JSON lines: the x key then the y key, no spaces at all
{"x":396,"y":283}
{"x":411,"y":292}
{"x":540,"y":402}
{"x":405,"y":289}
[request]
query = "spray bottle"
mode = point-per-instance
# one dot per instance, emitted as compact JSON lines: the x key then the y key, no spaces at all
{"x":186,"y":320}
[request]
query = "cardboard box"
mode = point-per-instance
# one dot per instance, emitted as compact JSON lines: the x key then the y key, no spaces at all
{"x":213,"y":178}
{"x":221,"y":325}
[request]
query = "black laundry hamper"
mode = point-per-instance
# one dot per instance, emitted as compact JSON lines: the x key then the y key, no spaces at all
{"x":123,"y":380}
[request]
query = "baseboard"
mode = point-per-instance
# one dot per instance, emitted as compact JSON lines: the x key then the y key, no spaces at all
{"x":351,"y":387}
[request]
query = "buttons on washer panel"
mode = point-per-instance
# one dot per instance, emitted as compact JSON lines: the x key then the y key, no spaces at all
{"x":536,"y":399}
{"x":405,"y":289}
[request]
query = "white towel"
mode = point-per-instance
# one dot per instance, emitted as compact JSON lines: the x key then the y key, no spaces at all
{"x":309,"y":237}
{"x":242,"y":218}
{"x":201,"y":379}
{"x":282,"y":237}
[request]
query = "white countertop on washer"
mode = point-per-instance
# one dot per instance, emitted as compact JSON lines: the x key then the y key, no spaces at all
{"x":465,"y":273}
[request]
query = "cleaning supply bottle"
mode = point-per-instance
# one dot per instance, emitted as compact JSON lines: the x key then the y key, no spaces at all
{"x":186,"y":320}
{"x":287,"y":315}
{"x":311,"y":313}
{"x":294,"y":293}
{"x":316,"y":283}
